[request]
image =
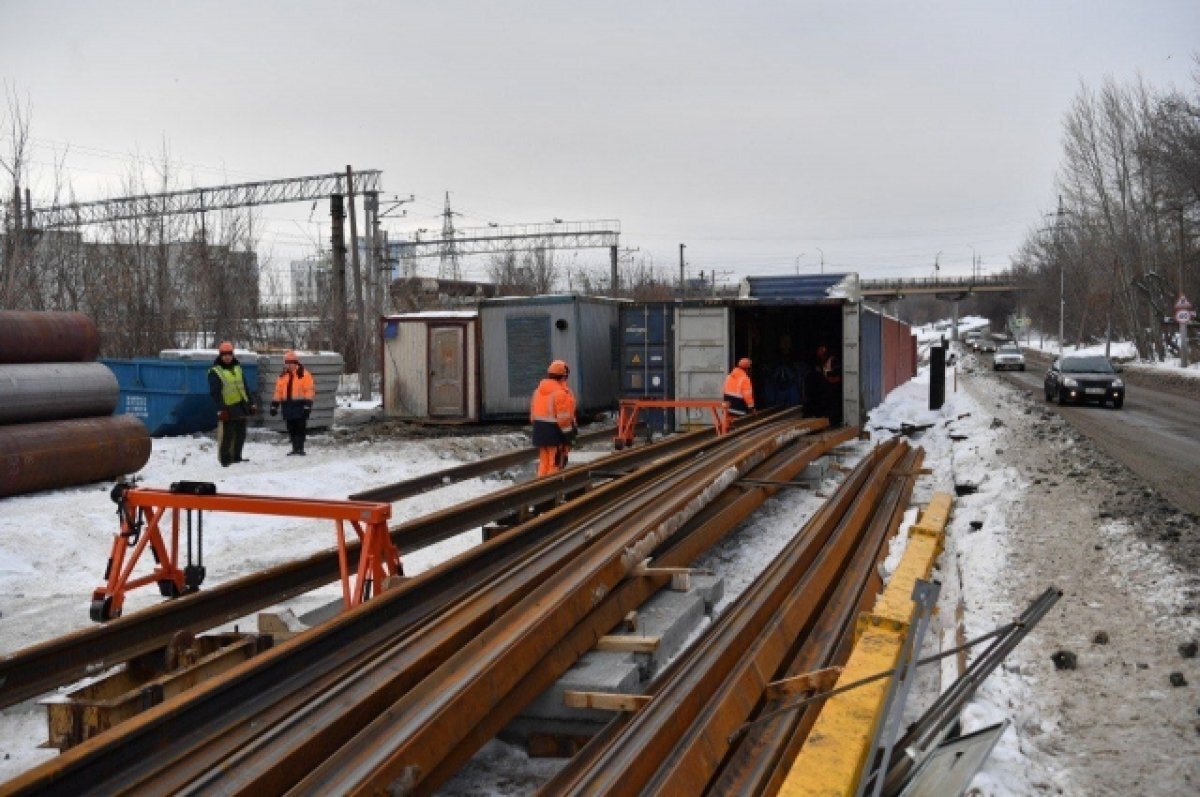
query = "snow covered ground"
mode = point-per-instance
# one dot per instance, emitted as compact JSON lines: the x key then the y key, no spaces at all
{"x":53,"y":547}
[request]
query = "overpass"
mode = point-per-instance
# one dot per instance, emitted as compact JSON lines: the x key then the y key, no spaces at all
{"x":950,"y":288}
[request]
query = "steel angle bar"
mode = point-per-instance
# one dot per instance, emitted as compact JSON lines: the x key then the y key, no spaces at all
{"x":760,"y":756}
{"x":698,"y":535}
{"x":928,"y":731}
{"x":924,"y":595}
{"x":630,"y":761}
{"x":411,"y":737}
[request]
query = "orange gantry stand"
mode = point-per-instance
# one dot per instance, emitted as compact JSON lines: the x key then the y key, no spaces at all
{"x":141,"y":510}
{"x":627,"y":420}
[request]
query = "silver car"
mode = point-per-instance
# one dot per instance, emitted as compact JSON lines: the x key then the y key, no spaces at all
{"x":1008,"y":356}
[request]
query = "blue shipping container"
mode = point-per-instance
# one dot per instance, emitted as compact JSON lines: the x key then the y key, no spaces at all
{"x":647,"y":358}
{"x":170,"y":396}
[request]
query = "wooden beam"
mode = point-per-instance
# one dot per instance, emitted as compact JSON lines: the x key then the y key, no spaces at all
{"x":605,"y":701}
{"x":627,"y":643}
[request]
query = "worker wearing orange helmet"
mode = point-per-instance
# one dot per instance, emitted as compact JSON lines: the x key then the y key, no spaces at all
{"x":229,"y":391}
{"x":294,"y":393}
{"x":552,"y":412}
{"x":739,"y":392}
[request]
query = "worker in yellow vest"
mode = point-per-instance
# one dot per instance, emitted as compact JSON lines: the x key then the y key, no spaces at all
{"x":227,"y":386}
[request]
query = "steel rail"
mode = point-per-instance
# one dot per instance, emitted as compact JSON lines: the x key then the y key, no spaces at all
{"x":39,"y":668}
{"x":322,"y":718}
{"x":701,"y":533}
{"x":270,"y":677}
{"x":758,"y":760}
{"x":674,"y":743}
{"x":409,"y":738}
{"x":431,"y":481}
{"x":828,"y":515}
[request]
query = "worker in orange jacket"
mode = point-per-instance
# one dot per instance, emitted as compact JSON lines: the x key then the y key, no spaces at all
{"x":294,"y":393}
{"x":739,"y":392}
{"x":552,"y":412}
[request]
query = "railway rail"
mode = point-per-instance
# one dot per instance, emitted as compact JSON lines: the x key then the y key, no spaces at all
{"x":410,"y":672}
{"x":39,"y":668}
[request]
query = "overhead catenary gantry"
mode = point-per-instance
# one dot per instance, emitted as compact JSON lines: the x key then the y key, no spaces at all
{"x":200,"y":200}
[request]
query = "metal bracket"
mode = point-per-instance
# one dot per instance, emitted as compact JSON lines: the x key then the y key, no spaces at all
{"x":925,"y":595}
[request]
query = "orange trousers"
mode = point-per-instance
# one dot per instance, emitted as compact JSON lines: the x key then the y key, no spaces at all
{"x":551,"y":459}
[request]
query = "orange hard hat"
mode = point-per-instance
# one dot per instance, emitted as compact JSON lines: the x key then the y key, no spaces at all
{"x":558,"y":368}
{"x":744,"y":363}
{"x":291,"y":357}
{"x":225,"y":348}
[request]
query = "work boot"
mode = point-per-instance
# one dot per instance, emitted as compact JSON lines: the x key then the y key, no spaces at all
{"x":293,"y":453}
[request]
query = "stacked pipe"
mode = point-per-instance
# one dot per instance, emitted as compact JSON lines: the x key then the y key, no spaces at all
{"x":56,"y":423}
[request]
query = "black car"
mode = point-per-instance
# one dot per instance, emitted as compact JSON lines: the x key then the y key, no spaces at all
{"x":1083,"y":378}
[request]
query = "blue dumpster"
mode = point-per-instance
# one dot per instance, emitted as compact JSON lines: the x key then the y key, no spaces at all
{"x":170,"y":396}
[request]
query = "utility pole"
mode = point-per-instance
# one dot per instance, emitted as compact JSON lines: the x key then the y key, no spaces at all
{"x":614,"y":282}
{"x":1062,"y":279}
{"x":337,"y":242}
{"x":364,"y":373}
{"x":682,"y":288}
{"x":369,"y":323}
{"x":822,"y":253}
{"x":449,"y":265}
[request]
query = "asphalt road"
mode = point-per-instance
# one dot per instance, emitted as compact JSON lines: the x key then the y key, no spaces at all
{"x":1155,"y":434}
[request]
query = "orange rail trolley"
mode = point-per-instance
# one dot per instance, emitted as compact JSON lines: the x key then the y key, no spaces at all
{"x":142,"y":509}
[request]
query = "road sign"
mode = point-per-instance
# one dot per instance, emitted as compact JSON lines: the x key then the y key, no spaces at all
{"x":1184,"y":316}
{"x":1182,"y":303}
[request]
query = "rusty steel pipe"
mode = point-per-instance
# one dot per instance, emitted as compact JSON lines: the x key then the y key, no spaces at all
{"x":47,"y":337}
{"x":407,"y":741}
{"x":54,"y":454}
{"x":56,"y":391}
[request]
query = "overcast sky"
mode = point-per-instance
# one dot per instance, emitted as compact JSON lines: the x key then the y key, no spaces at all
{"x":761,"y":134}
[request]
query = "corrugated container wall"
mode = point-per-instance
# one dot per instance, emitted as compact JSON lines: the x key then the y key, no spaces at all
{"x":430,"y":366}
{"x":899,"y":354}
{"x":648,"y":358}
{"x":873,"y":359}
{"x":521,"y":336}
{"x":170,"y":396}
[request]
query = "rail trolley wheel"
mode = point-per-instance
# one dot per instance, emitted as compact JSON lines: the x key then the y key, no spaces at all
{"x":168,"y":589}
{"x":618,"y":444}
{"x":102,"y":611}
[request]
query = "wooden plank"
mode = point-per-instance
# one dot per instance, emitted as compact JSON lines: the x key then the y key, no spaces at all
{"x":628,"y":643}
{"x":630,"y":623}
{"x":605,"y":701}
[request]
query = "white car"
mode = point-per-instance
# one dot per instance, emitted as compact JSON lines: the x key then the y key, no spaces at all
{"x":1008,"y":356}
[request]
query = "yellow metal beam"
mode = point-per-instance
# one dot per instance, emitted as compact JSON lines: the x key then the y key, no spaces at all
{"x":832,"y":759}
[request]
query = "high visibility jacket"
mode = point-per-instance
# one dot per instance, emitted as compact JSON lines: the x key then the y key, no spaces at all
{"x":738,"y":390}
{"x":831,"y":370}
{"x":294,"y":392}
{"x":227,"y":385}
{"x":552,"y":412}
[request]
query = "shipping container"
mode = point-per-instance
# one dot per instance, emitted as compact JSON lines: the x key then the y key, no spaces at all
{"x":647,"y":367}
{"x":431,"y":366}
{"x":871,"y":334}
{"x":521,"y":336}
{"x":170,"y":396}
{"x":899,"y":354}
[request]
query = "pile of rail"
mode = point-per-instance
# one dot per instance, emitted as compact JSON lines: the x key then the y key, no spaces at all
{"x":447,"y":657}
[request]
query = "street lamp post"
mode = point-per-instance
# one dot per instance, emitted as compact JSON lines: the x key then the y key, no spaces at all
{"x":798,"y":263}
{"x":822,"y":253}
